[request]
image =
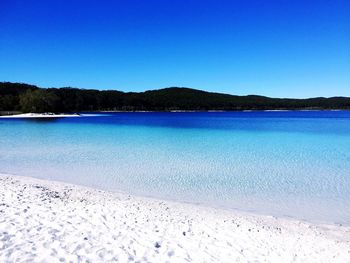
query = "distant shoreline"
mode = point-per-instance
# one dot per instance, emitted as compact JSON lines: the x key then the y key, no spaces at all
{"x":40,"y":115}
{"x":79,"y":114}
{"x":273,"y":110}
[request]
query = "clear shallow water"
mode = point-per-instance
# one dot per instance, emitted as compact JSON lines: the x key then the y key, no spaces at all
{"x":281,"y":163}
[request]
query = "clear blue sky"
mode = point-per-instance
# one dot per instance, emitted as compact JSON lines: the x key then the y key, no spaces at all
{"x":275,"y":48}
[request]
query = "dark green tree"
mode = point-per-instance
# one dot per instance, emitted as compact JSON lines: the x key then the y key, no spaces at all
{"x":29,"y":98}
{"x":40,"y":100}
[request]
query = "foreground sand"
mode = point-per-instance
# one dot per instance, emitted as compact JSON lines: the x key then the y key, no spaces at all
{"x":43,"y":221}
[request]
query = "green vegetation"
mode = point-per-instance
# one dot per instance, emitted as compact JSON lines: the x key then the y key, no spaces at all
{"x":38,"y":100}
{"x":29,"y":98}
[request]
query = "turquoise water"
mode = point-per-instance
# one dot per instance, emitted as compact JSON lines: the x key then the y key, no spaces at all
{"x":279,"y":163}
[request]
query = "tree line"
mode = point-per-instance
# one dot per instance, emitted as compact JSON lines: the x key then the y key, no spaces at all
{"x":29,"y":98}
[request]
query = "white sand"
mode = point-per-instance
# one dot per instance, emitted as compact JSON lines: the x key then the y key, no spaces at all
{"x":43,"y":221}
{"x":40,"y":115}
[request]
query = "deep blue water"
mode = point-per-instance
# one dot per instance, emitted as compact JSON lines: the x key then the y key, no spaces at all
{"x":293,"y":163}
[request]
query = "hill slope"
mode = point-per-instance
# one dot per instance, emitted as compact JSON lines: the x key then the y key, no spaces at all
{"x":30,"y":98}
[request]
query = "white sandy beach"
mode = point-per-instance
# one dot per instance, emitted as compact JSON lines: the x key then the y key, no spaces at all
{"x":44,"y":221}
{"x":40,"y":115}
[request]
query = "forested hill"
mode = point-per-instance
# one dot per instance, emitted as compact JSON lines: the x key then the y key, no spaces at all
{"x":30,"y":98}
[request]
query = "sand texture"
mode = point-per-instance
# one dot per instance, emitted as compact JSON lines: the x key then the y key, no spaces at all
{"x":44,"y":221}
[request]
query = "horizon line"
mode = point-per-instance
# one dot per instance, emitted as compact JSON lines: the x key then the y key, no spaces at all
{"x":169,"y":87}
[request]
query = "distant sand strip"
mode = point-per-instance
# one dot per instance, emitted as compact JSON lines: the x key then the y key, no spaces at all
{"x":44,"y":221}
{"x":40,"y":115}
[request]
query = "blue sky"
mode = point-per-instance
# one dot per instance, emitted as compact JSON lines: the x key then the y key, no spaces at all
{"x":274,"y":48}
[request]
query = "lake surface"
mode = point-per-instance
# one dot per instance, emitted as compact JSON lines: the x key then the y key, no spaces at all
{"x":278,"y":163}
